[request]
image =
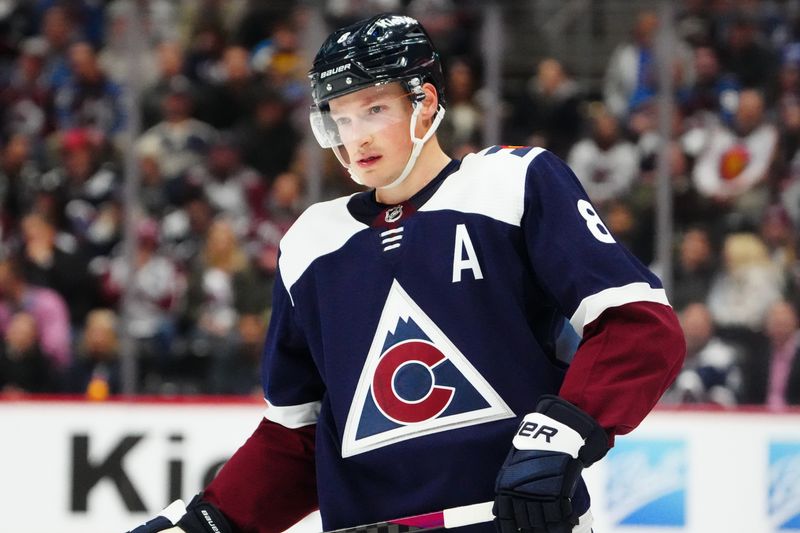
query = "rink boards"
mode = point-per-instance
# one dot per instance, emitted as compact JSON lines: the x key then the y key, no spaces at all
{"x":71,"y":466}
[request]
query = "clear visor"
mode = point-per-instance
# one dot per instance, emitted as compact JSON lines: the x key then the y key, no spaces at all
{"x":352,"y":119}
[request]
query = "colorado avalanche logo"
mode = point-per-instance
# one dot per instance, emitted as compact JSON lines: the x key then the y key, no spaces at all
{"x":415,"y":382}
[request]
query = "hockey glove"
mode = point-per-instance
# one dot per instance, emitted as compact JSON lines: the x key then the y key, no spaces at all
{"x":538,"y":479}
{"x":199,"y":517}
{"x":165,"y":521}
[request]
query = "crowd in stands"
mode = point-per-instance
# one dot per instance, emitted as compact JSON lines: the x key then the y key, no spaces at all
{"x":223,"y":174}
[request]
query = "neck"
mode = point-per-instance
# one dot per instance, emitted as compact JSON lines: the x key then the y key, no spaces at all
{"x":430,"y":162}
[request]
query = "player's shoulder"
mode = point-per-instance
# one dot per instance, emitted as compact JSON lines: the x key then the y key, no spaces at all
{"x":322,"y":228}
{"x":491,"y":182}
{"x":512,"y":157}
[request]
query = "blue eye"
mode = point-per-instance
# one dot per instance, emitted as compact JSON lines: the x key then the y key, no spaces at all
{"x":375,"y":109}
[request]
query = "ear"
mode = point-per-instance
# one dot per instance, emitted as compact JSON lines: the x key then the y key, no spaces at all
{"x":431,"y":102}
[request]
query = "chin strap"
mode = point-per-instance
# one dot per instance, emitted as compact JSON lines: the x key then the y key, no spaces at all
{"x":415,"y":151}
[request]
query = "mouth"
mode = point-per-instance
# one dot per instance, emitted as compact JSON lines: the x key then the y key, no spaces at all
{"x":366,"y":162}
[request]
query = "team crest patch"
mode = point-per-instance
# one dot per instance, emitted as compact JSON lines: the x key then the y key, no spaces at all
{"x":415,"y":382}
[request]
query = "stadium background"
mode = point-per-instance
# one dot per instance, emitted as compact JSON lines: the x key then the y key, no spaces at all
{"x":153,"y":152}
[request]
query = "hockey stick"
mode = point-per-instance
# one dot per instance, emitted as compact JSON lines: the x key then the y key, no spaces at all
{"x":448,"y":518}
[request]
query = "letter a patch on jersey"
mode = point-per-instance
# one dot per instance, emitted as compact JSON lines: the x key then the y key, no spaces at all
{"x":415,"y":382}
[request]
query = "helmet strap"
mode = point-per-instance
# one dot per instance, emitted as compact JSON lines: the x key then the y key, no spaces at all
{"x":418,"y":143}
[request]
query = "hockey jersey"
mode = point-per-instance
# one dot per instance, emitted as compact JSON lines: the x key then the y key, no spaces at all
{"x":415,"y":337}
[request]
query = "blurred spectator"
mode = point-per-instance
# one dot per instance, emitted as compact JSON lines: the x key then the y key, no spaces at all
{"x":154,"y":197}
{"x":82,"y":194}
{"x":154,"y":288}
{"x":745,"y":55}
{"x":632,"y":74}
{"x":184,"y":141}
{"x":259,"y":20}
{"x":207,"y":43}
{"x":711,"y":372}
{"x":185,"y":230}
{"x":778,"y":233}
{"x":548,"y":113}
{"x":221,"y":290}
{"x":734,"y":165}
{"x":452,"y":25}
{"x":605,"y":163}
{"x":229,"y":101}
{"x":26,"y":96}
{"x":23,"y":367}
{"x":45,"y":305}
{"x":713,"y":91}
{"x":285,"y":200}
{"x":241,"y":374}
{"x":96,"y":370}
{"x":114,"y":57}
{"x":234,"y":189}
{"x":89,"y":99}
{"x":694,"y":269}
{"x":170,"y":65}
{"x":279,"y":59}
{"x":269,"y":140}
{"x":783,"y":382}
{"x":743,"y":291}
{"x":59,"y":30}
{"x":19,"y":179}
{"x":54,"y":261}
{"x":462,"y":122}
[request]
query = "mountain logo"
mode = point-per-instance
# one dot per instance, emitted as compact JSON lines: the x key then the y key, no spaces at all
{"x":415,"y":382}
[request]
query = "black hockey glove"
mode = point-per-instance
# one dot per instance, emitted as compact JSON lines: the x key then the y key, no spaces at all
{"x":537,"y":481}
{"x":199,"y":517}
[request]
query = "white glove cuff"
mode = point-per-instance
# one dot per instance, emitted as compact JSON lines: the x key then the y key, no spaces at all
{"x":540,"y":432}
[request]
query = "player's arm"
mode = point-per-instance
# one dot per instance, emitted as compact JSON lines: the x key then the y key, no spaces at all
{"x":631,"y":350}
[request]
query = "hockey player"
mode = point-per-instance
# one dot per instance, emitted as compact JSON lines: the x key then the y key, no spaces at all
{"x":411,"y":362}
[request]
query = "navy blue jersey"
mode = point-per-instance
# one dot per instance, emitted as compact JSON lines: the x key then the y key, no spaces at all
{"x":416,"y":336}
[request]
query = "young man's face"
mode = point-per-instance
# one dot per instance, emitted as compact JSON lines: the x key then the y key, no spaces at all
{"x":373,"y":125}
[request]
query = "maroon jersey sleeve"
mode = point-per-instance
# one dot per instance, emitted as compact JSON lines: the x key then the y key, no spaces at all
{"x":629,"y":356}
{"x":269,"y":484}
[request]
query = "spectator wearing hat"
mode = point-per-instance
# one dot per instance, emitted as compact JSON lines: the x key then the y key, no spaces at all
{"x":184,"y":141}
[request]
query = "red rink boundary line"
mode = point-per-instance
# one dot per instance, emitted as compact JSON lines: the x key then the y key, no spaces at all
{"x":251,"y":400}
{"x":132,"y":400}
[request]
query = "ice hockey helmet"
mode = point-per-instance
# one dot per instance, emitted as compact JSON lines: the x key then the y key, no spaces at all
{"x":381,"y":49}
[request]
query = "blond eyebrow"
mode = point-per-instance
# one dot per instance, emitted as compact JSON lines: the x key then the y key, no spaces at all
{"x":370,"y":99}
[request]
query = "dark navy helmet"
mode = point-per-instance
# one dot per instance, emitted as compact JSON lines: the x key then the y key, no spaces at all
{"x":382,"y":49}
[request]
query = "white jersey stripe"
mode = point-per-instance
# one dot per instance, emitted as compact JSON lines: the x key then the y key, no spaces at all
{"x":593,"y":306}
{"x":323,"y":228}
{"x":502,"y":197}
{"x":293,"y":416}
